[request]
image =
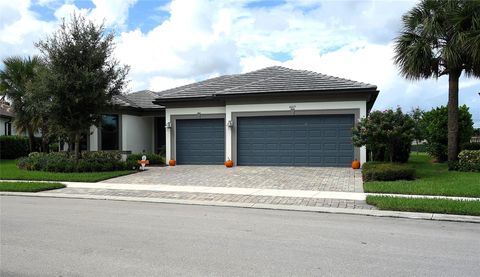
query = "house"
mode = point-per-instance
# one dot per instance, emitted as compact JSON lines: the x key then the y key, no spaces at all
{"x":272,"y":116}
{"x":6,"y":119}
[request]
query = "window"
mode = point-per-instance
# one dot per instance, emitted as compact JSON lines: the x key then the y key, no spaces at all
{"x":110,"y":132}
{"x":8,"y":128}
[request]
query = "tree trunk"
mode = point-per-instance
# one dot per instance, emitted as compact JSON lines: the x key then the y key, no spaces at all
{"x":453,"y":78}
{"x":31,"y":139}
{"x":77,"y":146}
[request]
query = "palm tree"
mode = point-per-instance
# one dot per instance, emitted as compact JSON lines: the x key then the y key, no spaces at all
{"x":15,"y":79}
{"x":441,"y":37}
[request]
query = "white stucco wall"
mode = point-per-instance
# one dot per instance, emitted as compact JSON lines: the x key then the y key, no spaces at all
{"x":137,"y":133}
{"x":93,"y":139}
{"x":229,"y":109}
{"x":3,"y":120}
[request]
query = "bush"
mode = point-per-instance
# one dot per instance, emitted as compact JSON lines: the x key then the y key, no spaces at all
{"x":471,"y":146}
{"x":156,"y":159}
{"x":12,"y":147}
{"x":388,"y":135}
{"x":375,"y":171}
{"x":469,"y":160}
{"x":435,"y":126}
{"x":64,"y":162}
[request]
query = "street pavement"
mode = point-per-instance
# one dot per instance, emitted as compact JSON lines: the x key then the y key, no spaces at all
{"x":75,"y":237}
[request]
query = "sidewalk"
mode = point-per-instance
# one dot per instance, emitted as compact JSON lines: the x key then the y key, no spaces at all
{"x":278,"y":199}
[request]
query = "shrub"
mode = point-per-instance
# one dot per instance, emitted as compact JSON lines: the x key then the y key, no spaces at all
{"x":375,"y":171}
{"x":435,"y":127}
{"x":12,"y":147}
{"x":469,"y":160}
{"x":388,"y":135}
{"x":156,"y":159}
{"x":64,"y":162}
{"x":471,"y":146}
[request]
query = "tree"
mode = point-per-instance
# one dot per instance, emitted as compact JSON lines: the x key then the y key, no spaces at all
{"x":441,"y":38}
{"x":388,"y":135}
{"x":418,"y":133}
{"x":434,"y":123}
{"x":15,"y":81}
{"x":83,"y":75}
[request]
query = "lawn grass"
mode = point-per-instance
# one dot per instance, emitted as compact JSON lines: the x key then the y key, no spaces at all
{"x":9,"y":171}
{"x":432,"y":179}
{"x":29,"y":186}
{"x":441,"y":206}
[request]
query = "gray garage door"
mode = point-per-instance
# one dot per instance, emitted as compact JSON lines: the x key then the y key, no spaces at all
{"x":200,"y":141}
{"x":317,"y":140}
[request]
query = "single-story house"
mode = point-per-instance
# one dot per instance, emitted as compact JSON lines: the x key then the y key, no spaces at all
{"x":272,"y":116}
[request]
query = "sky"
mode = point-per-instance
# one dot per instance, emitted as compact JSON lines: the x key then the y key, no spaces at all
{"x":172,"y":43}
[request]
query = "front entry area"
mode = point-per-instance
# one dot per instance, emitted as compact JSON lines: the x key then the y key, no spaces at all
{"x":200,"y":141}
{"x":302,"y":140}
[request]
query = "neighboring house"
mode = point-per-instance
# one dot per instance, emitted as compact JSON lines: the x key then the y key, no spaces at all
{"x":273,"y":116}
{"x":6,"y":119}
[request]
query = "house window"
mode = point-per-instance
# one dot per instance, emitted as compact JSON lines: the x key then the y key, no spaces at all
{"x":8,"y":128}
{"x":110,"y":132}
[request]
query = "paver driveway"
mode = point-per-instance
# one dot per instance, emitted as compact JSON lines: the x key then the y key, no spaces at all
{"x":300,"y":178}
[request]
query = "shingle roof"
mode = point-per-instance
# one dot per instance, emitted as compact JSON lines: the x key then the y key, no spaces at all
{"x":275,"y":79}
{"x":141,"y":99}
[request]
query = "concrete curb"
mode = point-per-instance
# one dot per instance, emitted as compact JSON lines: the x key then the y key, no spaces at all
{"x":376,"y":213}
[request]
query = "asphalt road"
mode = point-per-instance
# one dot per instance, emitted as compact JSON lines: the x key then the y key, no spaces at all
{"x":69,"y":237}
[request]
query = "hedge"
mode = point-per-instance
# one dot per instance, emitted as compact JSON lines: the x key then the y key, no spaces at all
{"x":13,"y":147}
{"x":153,"y":158}
{"x":95,"y":161}
{"x":469,"y":160}
{"x":375,"y":171}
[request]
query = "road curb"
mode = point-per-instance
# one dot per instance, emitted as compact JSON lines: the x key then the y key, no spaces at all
{"x":375,"y":213}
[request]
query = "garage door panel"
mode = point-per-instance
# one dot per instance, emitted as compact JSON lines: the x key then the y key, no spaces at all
{"x":200,"y":141}
{"x":323,"y":140}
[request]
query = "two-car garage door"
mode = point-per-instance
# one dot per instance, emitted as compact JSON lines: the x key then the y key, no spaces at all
{"x":302,"y":140}
{"x":313,"y":140}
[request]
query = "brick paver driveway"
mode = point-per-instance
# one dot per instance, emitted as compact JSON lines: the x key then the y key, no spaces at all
{"x":300,"y":178}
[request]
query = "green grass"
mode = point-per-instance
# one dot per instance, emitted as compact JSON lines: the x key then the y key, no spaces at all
{"x":442,"y":206}
{"x":432,"y":179}
{"x":29,"y":186}
{"x":9,"y":171}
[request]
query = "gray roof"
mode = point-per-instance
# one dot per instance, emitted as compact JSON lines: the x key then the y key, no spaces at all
{"x":141,"y":99}
{"x":275,"y":79}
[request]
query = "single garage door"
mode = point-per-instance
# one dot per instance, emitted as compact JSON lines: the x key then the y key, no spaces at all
{"x":313,"y":140}
{"x":200,"y":141}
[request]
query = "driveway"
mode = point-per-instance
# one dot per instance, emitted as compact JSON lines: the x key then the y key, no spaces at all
{"x":291,"y":178}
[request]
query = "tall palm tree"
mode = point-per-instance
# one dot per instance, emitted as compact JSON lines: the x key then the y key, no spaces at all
{"x":15,"y":79}
{"x":441,"y":37}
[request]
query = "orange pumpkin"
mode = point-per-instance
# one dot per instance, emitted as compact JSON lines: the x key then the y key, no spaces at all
{"x":355,"y":164}
{"x":172,"y":163}
{"x":229,"y":163}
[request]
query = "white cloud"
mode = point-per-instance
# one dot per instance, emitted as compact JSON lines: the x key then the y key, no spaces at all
{"x":201,"y":39}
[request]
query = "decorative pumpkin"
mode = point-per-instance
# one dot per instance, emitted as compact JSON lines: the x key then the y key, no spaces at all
{"x":355,"y":164}
{"x":229,"y":163}
{"x":172,"y":163}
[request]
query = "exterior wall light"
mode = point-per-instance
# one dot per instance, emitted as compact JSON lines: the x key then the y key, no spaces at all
{"x":168,"y":125}
{"x":230,"y":124}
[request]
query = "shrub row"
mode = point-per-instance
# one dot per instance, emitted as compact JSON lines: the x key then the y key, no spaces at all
{"x":63,"y":162}
{"x":469,"y":160}
{"x":471,"y":146}
{"x":153,"y":158}
{"x":375,"y":171}
{"x":12,"y":147}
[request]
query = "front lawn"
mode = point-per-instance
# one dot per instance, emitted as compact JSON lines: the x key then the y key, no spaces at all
{"x":442,"y":206}
{"x":29,"y":186}
{"x":9,"y":171}
{"x":432,"y":179}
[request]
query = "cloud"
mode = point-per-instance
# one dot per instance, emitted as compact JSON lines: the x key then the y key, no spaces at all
{"x":203,"y":38}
